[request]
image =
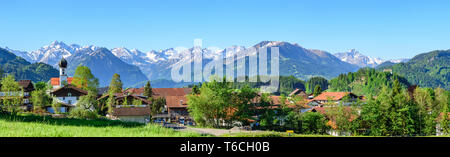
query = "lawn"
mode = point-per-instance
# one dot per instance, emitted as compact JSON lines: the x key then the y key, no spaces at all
{"x":39,"y":126}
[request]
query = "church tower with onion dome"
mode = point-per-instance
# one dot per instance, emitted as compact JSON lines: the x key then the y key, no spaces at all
{"x":62,"y":71}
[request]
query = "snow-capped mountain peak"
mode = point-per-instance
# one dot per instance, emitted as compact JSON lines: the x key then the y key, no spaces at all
{"x":355,"y":57}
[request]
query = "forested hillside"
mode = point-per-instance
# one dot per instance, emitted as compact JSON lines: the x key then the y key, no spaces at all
{"x":22,"y":69}
{"x":365,"y":81}
{"x":426,"y":70}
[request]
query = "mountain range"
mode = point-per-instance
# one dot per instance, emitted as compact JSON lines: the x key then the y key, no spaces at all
{"x":355,"y":57}
{"x":102,"y":62}
{"x":136,"y":67}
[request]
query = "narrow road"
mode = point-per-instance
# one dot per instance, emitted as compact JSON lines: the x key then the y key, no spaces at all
{"x":211,"y":131}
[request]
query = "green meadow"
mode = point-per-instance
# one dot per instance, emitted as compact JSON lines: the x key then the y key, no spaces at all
{"x":46,"y":126}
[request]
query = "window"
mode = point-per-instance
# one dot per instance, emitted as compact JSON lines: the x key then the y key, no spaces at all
{"x":69,"y":94}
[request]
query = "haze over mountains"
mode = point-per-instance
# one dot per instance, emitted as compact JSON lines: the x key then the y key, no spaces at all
{"x":136,"y":66}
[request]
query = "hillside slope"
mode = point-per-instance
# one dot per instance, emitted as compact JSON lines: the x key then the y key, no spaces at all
{"x":430,"y":69}
{"x":22,"y":69}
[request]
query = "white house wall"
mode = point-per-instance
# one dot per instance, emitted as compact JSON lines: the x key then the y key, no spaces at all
{"x":73,"y":100}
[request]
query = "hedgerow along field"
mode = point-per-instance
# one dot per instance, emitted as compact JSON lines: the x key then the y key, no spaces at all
{"x":26,"y":125}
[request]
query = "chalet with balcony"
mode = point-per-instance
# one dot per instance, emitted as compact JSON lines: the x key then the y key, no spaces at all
{"x":68,"y":96}
{"x":27,"y":87}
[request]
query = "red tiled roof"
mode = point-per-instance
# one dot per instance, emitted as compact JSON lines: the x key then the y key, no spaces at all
{"x":176,"y":101}
{"x":331,"y":122}
{"x":441,"y":116}
{"x":331,"y":95}
{"x":320,"y":110}
{"x":55,"y":81}
{"x":277,"y":100}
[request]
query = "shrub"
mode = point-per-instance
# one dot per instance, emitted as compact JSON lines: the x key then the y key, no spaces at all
{"x":83,"y":113}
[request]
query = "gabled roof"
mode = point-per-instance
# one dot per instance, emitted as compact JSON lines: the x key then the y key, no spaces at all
{"x":332,"y":95}
{"x":136,"y":91}
{"x":176,"y":101}
{"x":299,"y":92}
{"x":54,"y":81}
{"x":69,"y":86}
{"x":122,"y":95}
{"x":163,"y":92}
{"x":135,"y":97}
{"x":26,"y":84}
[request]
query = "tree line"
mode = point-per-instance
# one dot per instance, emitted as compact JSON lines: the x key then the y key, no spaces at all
{"x":395,"y":111}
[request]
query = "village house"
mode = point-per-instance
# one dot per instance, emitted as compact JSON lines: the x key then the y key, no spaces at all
{"x":62,"y":89}
{"x":344,"y":98}
{"x":332,"y":123}
{"x":67,"y":96}
{"x":301,"y":93}
{"x":175,"y":109}
{"x":129,"y":106}
{"x":27,"y":87}
{"x":126,"y":108}
{"x":140,"y":114}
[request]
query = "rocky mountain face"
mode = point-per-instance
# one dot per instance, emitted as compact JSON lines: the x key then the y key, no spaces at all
{"x":355,"y":57}
{"x":102,"y":62}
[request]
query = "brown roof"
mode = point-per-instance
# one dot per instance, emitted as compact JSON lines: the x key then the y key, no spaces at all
{"x":299,"y":92}
{"x":163,"y":92}
{"x":134,"y":96}
{"x":132,"y":111}
{"x":24,"y":83}
{"x":332,"y":95}
{"x":176,"y":101}
{"x":69,"y":86}
{"x":27,"y":85}
{"x":136,"y":91}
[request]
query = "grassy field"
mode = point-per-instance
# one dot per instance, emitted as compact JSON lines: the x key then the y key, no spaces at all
{"x":27,"y":125}
{"x":39,"y":126}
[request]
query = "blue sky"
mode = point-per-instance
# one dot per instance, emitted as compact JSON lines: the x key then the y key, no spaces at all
{"x":380,"y":28}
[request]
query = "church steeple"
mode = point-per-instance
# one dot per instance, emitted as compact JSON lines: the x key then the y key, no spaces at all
{"x":62,"y":71}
